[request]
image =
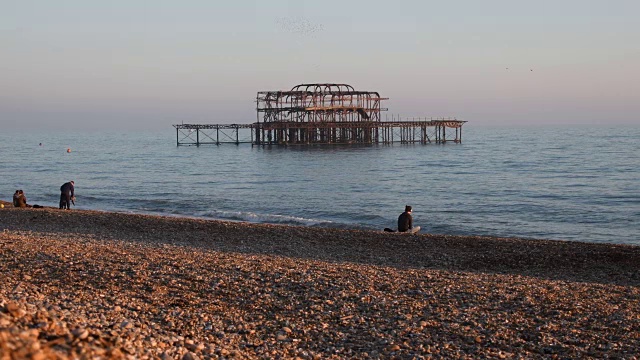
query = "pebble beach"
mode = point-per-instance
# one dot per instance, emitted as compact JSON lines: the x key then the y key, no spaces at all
{"x":85,"y":284}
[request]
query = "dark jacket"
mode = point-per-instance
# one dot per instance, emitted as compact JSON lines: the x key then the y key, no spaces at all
{"x":67,"y":189}
{"x":405,"y":222}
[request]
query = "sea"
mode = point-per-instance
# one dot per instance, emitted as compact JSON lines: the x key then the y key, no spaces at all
{"x":555,"y":182}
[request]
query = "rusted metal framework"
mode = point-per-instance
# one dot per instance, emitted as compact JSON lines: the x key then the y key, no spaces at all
{"x":386,"y":132}
{"x":322,"y":114}
{"x":216,"y":134}
{"x":318,"y":114}
{"x":421,"y":131}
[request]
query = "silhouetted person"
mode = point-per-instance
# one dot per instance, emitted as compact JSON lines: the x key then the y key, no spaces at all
{"x":405,"y":222}
{"x":66,"y":195}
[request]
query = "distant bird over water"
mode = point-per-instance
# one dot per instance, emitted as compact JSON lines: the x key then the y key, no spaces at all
{"x":529,"y":69}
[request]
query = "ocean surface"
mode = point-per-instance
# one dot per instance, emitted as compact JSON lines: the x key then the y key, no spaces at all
{"x":566,"y":183}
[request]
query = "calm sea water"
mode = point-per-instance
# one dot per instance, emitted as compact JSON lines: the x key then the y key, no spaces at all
{"x":552,"y":183}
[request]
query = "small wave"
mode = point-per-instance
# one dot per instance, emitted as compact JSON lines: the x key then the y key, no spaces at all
{"x":263,"y":218}
{"x":252,"y":217}
{"x":248,"y":217}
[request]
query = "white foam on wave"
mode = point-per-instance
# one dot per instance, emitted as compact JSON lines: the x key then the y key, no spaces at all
{"x":265,"y":218}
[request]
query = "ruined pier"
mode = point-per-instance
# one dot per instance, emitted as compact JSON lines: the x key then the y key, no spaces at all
{"x":317,"y":114}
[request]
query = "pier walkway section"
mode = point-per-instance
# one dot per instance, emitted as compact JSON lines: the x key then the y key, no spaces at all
{"x":291,"y":133}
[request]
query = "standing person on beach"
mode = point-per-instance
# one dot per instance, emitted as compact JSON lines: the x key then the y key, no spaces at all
{"x":405,"y":222}
{"x":67,"y":195}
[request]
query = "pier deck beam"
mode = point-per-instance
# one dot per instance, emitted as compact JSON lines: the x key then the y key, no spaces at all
{"x":302,"y":133}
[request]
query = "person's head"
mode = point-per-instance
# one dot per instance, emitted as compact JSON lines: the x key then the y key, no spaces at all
{"x":72,"y":183}
{"x":407,"y":209}
{"x":20,"y":192}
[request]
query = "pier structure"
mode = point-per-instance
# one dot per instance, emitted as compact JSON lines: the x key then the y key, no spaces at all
{"x":216,"y":134}
{"x":318,"y":114}
{"x":322,"y":114}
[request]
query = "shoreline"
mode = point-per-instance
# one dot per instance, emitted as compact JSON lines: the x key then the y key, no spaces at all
{"x":339,"y":228}
{"x":194,"y":288}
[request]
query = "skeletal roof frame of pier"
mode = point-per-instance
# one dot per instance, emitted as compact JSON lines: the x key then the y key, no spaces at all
{"x":315,"y":114}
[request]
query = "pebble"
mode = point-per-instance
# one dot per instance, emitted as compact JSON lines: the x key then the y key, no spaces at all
{"x":126,"y":325}
{"x":80,"y":333}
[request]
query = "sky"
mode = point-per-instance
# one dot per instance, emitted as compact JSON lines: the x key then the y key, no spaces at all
{"x":107,"y":65}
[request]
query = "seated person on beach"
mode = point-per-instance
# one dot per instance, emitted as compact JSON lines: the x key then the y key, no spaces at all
{"x":19,"y":199}
{"x":405,"y":222}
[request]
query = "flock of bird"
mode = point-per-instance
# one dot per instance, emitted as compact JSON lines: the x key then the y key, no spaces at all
{"x":298,"y":26}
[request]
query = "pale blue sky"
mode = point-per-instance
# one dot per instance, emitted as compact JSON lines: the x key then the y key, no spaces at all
{"x":87,"y":64}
